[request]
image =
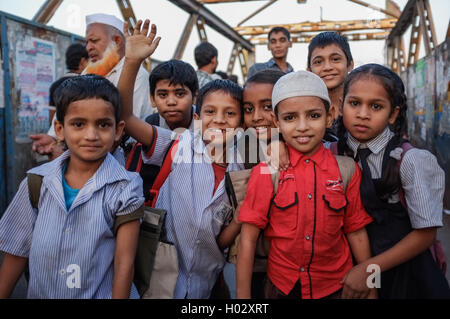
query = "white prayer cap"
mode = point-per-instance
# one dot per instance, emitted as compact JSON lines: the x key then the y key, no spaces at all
{"x":300,"y":83}
{"x":105,"y":19}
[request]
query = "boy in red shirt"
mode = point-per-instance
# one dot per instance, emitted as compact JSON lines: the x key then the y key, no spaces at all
{"x":313,"y":225}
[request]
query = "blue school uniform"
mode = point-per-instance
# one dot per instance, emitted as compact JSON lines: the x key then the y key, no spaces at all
{"x":70,"y":251}
{"x":196,"y":214}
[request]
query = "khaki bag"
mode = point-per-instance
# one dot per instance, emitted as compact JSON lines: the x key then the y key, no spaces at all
{"x":236,"y":185}
{"x":156,"y":262}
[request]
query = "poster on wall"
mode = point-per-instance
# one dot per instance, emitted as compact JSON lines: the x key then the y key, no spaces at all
{"x":35,"y":70}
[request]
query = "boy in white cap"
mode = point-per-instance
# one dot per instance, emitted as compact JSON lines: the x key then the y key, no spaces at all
{"x":314,"y":222}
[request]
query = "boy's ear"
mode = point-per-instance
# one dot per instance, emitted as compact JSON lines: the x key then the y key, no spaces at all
{"x":394,"y":115}
{"x":152,"y":99}
{"x":119,"y":131}
{"x":274,"y":119}
{"x":196,"y":117}
{"x":330,"y":116}
{"x":350,"y":66}
{"x":59,"y":130}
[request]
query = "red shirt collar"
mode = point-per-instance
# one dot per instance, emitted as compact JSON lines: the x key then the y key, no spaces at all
{"x":318,"y":157}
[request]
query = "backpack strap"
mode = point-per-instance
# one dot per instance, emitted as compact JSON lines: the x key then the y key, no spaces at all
{"x":34,"y":188}
{"x":346,"y":168}
{"x":134,"y":160}
{"x":163,"y":173}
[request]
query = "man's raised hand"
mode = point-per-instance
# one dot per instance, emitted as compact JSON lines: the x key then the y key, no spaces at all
{"x":141,"y":43}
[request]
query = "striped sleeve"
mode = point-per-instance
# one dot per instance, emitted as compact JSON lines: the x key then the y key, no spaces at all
{"x":129,"y":200}
{"x":423,"y":182}
{"x":155,"y":154}
{"x":17,"y":224}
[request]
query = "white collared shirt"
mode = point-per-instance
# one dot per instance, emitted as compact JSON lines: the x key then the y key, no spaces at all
{"x":59,"y":242}
{"x":196,"y":214}
{"x":423,"y":180}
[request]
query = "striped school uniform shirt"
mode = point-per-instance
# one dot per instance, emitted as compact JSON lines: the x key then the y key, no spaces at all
{"x":423,"y":180}
{"x":71,"y":251}
{"x":196,"y":214}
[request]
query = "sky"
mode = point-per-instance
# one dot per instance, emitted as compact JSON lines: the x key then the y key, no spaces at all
{"x":171,"y":20}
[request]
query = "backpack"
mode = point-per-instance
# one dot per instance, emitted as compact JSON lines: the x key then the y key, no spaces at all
{"x":156,"y":258}
{"x":436,"y":248}
{"x":236,"y":186}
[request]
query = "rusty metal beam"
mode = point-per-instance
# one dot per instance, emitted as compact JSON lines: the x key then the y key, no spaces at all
{"x":213,"y":21}
{"x":46,"y":11}
{"x":181,"y":46}
{"x":414,"y":41}
{"x":368,"y":5}
{"x":222,"y":1}
{"x":338,"y":26}
{"x":201,"y":29}
{"x":256,"y":12}
{"x":306,"y":38}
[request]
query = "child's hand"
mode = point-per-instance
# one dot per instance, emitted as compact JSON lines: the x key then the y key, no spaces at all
{"x":139,"y":45}
{"x":236,"y":214}
{"x":354,"y":284}
{"x":278,"y":155}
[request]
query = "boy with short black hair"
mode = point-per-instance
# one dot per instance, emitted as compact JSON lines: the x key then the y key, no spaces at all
{"x":199,"y":217}
{"x":206,"y":58}
{"x":279,"y":42}
{"x":329,"y":57}
{"x":173,"y":88}
{"x":80,"y":237}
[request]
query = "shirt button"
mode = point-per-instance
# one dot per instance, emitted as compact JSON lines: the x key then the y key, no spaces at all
{"x":307,"y":161}
{"x":62,"y":272}
{"x":302,"y":269}
{"x":309,"y":196}
{"x":307,"y":237}
{"x":67,"y":230}
{"x":198,"y":242}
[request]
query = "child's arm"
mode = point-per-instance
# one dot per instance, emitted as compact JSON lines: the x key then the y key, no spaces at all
{"x":230,"y":232}
{"x":126,"y":246}
{"x":139,"y":46}
{"x":278,"y":155}
{"x":359,"y":244}
{"x":245,"y":260}
{"x":409,"y":247}
{"x":10,"y":272}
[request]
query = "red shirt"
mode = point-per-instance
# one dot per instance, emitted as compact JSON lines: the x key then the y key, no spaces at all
{"x":308,"y":221}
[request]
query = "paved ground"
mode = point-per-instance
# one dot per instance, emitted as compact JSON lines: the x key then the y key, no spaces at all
{"x":443,"y":235}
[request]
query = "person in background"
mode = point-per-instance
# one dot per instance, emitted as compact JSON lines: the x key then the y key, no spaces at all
{"x":329,"y":57}
{"x":105,"y":44}
{"x":206,"y":56}
{"x":279,"y":44}
{"x":76,"y":59}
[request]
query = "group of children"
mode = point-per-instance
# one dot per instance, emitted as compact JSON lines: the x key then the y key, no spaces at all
{"x":323,"y":234}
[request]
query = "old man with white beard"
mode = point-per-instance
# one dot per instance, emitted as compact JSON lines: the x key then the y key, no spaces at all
{"x":105,"y":44}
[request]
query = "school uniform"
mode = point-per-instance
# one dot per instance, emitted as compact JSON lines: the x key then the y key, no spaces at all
{"x":309,"y":217}
{"x":423,"y":184}
{"x":71,"y":251}
{"x":196,"y":213}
